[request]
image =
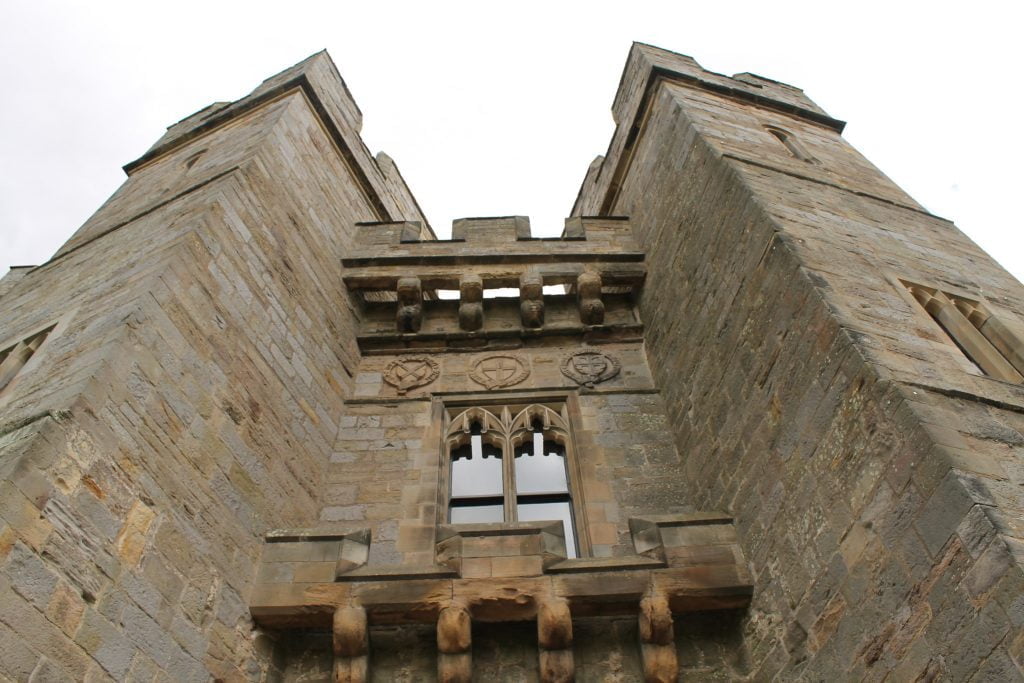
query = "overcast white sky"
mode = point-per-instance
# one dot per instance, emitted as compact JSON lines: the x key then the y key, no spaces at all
{"x":495,"y":109}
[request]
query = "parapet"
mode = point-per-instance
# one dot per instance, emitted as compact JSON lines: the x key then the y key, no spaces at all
{"x":507,"y":235}
{"x":12,"y":277}
{"x":647,"y":63}
{"x":647,"y":69}
{"x":401,"y":277}
{"x":330,"y":100}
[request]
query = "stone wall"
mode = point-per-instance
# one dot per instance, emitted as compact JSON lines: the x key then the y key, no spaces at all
{"x":209,"y":378}
{"x":866,"y":460}
{"x":708,"y":647}
{"x":186,"y":402}
{"x":386,"y":467}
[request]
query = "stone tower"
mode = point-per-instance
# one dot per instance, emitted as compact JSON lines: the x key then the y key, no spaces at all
{"x":755,"y":414}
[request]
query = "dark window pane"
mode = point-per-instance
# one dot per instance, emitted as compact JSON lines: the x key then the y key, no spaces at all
{"x":541,"y":467}
{"x":540,"y":512}
{"x":476,"y":514}
{"x":476,"y":470}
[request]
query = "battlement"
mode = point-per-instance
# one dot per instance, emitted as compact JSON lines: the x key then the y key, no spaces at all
{"x":608,"y":231}
{"x":384,"y":253}
{"x":647,"y":63}
{"x":398,"y":274}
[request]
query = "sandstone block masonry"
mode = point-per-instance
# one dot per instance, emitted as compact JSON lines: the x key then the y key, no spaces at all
{"x":258,"y":423}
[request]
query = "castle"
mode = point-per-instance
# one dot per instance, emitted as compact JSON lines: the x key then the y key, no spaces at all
{"x":756,"y":414}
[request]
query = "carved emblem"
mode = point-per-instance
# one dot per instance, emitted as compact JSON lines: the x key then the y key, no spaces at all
{"x":588,"y":367}
{"x":411,"y":372}
{"x":499,"y":371}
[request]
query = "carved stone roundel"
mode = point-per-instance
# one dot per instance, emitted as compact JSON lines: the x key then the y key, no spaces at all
{"x":411,"y":372}
{"x":499,"y":371}
{"x":588,"y":367}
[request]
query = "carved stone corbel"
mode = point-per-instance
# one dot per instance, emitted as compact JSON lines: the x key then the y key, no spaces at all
{"x":531,"y":299}
{"x":351,"y":645}
{"x":471,"y":307}
{"x":554,"y":638}
{"x":657,"y":641}
{"x":409,"y":315}
{"x":454,"y":645}
{"x":588,"y":298}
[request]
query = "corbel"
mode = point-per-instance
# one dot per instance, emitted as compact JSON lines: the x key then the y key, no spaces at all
{"x":351,"y":645}
{"x":409,"y":314}
{"x":471,"y":307}
{"x":454,"y":645}
{"x":554,"y":640}
{"x":588,"y":298}
{"x":531,"y":299}
{"x":657,"y":640}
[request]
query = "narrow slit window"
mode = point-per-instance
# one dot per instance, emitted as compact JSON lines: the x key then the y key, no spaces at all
{"x":795,"y":148}
{"x":994,"y":347}
{"x":14,"y":357}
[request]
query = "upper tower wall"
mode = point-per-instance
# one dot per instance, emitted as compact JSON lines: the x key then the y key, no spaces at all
{"x":176,"y":377}
{"x":647,"y":68}
{"x":823,"y":345}
{"x":181,"y":159}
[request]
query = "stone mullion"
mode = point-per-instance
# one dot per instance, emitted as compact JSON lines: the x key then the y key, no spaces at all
{"x":509,"y":471}
{"x":574,"y":470}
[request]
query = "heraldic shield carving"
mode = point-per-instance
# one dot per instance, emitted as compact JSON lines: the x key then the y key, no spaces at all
{"x":499,"y":371}
{"x":411,"y":372}
{"x":588,"y":367}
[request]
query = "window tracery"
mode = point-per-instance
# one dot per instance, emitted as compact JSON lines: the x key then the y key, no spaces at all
{"x":510,"y":464}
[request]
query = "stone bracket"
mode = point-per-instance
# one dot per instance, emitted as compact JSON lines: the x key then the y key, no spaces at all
{"x":687,"y":540}
{"x":351,"y":640}
{"x":554,"y":640}
{"x":599,"y":593}
{"x":657,"y":640}
{"x":516,"y":549}
{"x":302,"y":555}
{"x":500,"y":573}
{"x":454,"y":645}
